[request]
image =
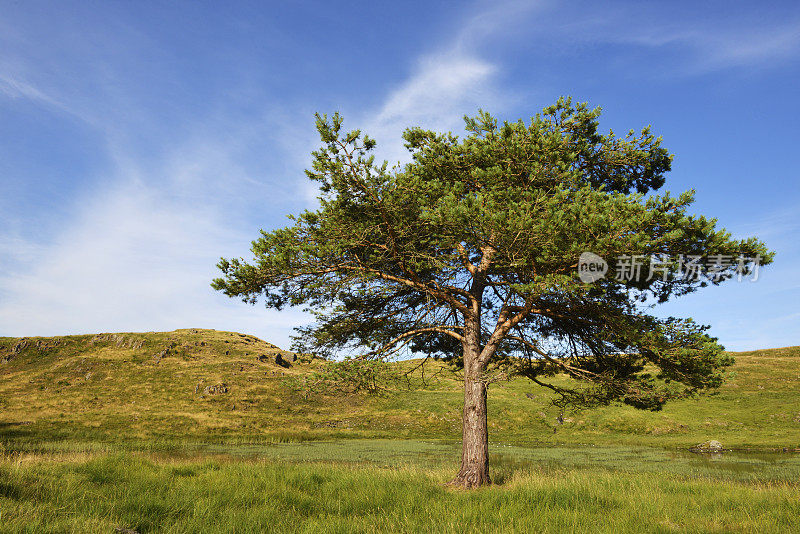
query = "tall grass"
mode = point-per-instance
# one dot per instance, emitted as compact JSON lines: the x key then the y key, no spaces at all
{"x":97,"y":494}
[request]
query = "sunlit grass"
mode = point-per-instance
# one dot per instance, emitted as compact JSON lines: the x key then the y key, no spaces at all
{"x":97,"y":433}
{"x":115,"y":389}
{"x":233,"y":495}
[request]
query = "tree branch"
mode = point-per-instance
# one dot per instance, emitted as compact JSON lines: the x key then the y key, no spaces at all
{"x":416,"y":332}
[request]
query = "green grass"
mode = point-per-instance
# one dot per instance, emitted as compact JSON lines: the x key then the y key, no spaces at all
{"x":224,"y":494}
{"x":114,"y":430}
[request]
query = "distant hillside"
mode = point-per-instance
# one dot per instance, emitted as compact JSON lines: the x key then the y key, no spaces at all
{"x":139,"y":384}
{"x":206,"y":386}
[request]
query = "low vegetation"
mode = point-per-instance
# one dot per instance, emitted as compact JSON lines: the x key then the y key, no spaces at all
{"x":199,"y":430}
{"x":77,"y":493}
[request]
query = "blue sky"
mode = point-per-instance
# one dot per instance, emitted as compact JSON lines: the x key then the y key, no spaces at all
{"x":141,"y":141}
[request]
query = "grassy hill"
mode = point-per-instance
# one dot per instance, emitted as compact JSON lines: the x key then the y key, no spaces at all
{"x":161,"y":389}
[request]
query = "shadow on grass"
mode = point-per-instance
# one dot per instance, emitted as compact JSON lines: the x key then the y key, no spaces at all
{"x":17,"y":431}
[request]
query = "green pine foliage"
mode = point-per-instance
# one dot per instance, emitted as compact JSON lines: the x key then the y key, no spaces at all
{"x":469,"y":253}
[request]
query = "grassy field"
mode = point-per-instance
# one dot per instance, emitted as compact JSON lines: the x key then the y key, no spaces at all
{"x":199,"y":430}
{"x":388,"y":486}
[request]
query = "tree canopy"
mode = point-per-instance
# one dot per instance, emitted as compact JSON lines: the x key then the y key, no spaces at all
{"x":470,"y":253}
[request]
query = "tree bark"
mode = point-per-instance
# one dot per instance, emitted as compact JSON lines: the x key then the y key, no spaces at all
{"x":474,"y":470}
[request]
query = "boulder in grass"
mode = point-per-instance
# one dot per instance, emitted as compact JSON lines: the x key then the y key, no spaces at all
{"x":216,"y":389}
{"x":708,"y":446}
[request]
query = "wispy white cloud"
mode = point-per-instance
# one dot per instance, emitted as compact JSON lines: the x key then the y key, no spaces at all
{"x":132,"y":260}
{"x":698,"y":41}
{"x":775,"y":43}
{"x":19,"y":89}
{"x":711,"y":48}
{"x":447,"y":84}
{"x":137,"y":250}
{"x":16,"y":251}
{"x":13,"y":86}
{"x":781,"y":223}
{"x":441,"y":84}
{"x":493,"y":19}
{"x":437,"y":95}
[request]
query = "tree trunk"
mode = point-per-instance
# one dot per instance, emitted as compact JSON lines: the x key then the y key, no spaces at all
{"x":474,"y":470}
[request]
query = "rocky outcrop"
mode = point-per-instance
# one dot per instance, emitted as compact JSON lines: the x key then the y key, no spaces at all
{"x":708,"y":446}
{"x":216,"y":389}
{"x":280,"y":361}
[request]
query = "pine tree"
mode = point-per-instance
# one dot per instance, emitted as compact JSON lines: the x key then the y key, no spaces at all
{"x":470,"y":253}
